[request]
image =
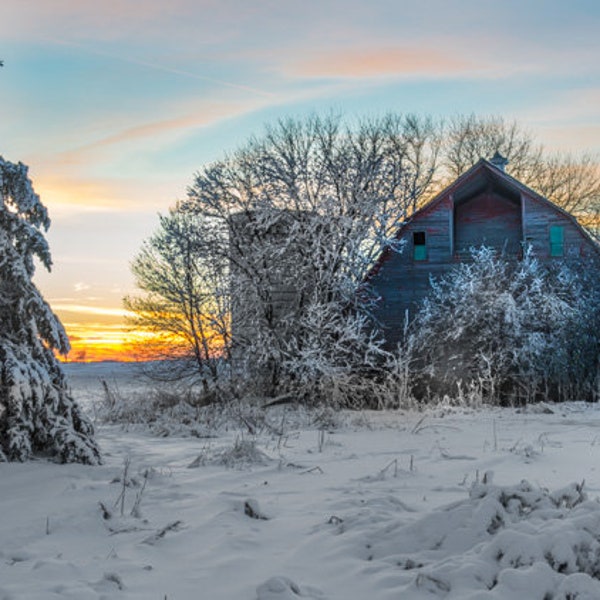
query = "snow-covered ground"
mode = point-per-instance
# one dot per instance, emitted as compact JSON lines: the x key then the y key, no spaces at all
{"x":384,"y":506}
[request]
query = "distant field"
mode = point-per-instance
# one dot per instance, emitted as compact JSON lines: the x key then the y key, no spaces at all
{"x":86,"y":379}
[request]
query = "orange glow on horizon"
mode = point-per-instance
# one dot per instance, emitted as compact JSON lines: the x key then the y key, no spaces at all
{"x":100,"y":333}
{"x":104,"y":339}
{"x":133,"y":347}
{"x":111,"y":340}
{"x":98,"y":351}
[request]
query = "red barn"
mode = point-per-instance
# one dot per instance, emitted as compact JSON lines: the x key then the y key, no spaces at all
{"x":484,"y":206}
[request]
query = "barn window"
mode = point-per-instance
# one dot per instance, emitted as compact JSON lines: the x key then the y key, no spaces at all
{"x":419,"y":245}
{"x":557,"y":245}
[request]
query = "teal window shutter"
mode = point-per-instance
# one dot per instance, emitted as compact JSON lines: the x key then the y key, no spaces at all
{"x":419,"y":245}
{"x":557,"y":244}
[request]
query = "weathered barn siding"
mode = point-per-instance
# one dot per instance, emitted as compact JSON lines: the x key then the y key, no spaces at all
{"x":401,"y":281}
{"x":488,"y":219}
{"x":539,"y":217}
{"x":483,"y":207}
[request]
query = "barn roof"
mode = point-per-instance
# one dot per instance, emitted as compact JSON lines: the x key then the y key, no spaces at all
{"x":480,"y":176}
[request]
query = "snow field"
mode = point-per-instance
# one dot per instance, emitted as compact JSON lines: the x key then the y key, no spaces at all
{"x":384,"y":506}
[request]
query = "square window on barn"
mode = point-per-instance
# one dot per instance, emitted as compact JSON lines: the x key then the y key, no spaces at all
{"x":419,"y":245}
{"x":557,"y":244}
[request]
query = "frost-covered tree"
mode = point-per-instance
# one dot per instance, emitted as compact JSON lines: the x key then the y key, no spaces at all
{"x":302,"y":213}
{"x":514,"y":331}
{"x":37,"y":414}
{"x":184,"y":300}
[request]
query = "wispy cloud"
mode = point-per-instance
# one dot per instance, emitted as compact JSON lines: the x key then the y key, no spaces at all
{"x":378,"y":62}
{"x":107,"y":20}
{"x":569,"y":105}
{"x":72,"y":195}
{"x":96,"y":330}
{"x":81,"y":286}
{"x":64,"y":193}
{"x":83,"y":309}
{"x":159,"y":67}
{"x":566,"y":119}
{"x":208,"y":114}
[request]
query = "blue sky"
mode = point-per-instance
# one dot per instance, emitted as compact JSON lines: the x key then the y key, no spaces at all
{"x":115,"y":104}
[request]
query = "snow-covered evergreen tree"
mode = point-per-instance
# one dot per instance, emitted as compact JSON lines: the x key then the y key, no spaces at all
{"x":37,"y":414}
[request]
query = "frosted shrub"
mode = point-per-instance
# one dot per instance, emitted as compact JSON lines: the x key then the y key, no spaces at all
{"x":162,"y":411}
{"x":242,"y":454}
{"x":514,"y":331}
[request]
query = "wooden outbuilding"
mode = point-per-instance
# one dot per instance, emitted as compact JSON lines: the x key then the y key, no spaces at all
{"x":484,"y":206}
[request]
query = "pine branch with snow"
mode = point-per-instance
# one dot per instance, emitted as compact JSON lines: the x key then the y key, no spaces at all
{"x":37,"y":414}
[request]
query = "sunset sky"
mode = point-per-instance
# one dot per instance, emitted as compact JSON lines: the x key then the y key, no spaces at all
{"x":115,"y":104}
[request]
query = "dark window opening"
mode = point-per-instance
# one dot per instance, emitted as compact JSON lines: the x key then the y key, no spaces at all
{"x":419,"y":245}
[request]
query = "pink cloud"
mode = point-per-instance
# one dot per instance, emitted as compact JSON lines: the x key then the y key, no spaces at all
{"x":211,"y":113}
{"x":190,"y":115}
{"x":379,"y":63}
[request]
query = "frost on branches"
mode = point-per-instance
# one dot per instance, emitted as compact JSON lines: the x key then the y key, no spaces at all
{"x":37,"y":414}
{"x":514,"y":332}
